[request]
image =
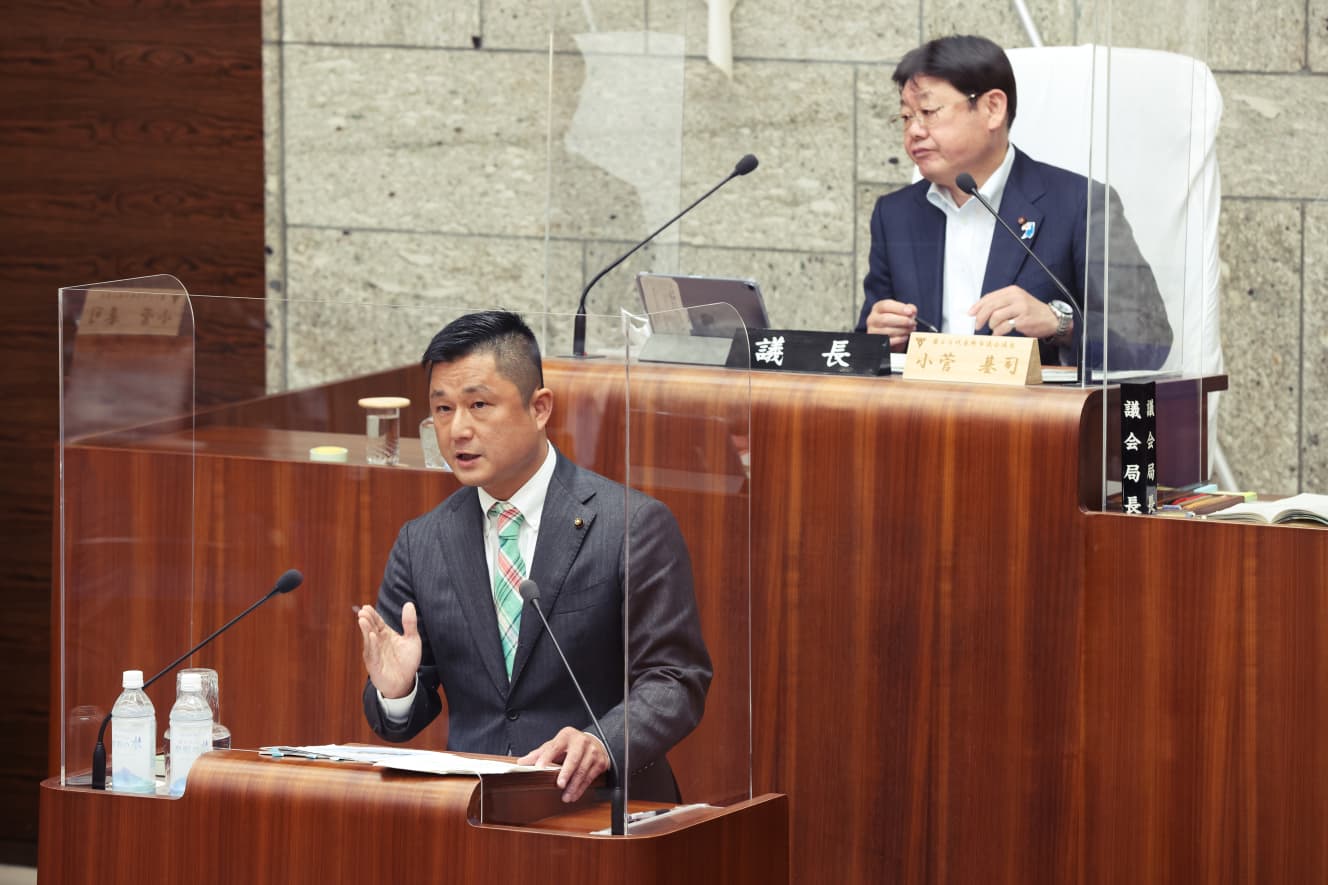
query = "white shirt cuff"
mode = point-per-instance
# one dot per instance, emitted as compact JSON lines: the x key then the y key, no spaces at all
{"x":397,"y":710}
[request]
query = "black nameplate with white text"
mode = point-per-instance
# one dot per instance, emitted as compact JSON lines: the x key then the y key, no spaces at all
{"x":1138,"y":432}
{"x":802,"y":350}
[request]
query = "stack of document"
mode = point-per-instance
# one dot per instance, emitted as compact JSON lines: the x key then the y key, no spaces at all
{"x":402,"y":759}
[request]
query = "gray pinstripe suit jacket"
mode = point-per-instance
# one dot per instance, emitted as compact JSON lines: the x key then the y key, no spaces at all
{"x":438,"y":563}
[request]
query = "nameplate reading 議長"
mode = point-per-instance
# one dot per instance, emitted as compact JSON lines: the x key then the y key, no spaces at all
{"x":803,"y":350}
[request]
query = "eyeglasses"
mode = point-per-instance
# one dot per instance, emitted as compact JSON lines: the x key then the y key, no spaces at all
{"x":929,"y":117}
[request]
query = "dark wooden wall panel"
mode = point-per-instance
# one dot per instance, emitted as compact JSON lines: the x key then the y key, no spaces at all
{"x":131,"y":144}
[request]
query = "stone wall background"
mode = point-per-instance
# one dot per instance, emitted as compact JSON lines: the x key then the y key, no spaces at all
{"x":417,"y":156}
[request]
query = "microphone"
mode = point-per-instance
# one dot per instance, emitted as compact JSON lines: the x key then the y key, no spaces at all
{"x":285,"y":584}
{"x":965,"y":183}
{"x":744,"y":166}
{"x":529,"y":591}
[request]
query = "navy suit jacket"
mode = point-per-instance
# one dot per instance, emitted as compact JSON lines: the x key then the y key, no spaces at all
{"x":438,"y":562}
{"x":907,"y":261}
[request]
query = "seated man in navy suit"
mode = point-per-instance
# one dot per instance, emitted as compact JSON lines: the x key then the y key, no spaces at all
{"x":448,"y":617}
{"x":938,"y":258}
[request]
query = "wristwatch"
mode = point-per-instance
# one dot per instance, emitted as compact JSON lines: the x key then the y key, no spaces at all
{"x":1064,"y":314}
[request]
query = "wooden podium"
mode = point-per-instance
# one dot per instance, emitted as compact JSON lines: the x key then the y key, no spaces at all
{"x":251,"y":819}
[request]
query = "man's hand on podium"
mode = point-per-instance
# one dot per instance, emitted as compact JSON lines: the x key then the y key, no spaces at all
{"x":391,"y":658}
{"x":582,"y":756}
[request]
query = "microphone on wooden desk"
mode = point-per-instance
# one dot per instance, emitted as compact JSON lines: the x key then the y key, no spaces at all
{"x":291,"y":579}
{"x":744,"y":166}
{"x":965,"y":183}
{"x":529,"y":591}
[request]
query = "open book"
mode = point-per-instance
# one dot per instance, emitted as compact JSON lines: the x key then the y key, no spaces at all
{"x":1299,"y":508}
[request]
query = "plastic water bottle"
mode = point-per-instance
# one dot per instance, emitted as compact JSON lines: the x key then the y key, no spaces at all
{"x":133,"y":738}
{"x":191,"y":731}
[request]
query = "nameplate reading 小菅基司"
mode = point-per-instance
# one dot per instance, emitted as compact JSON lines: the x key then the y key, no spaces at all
{"x":973,"y":359}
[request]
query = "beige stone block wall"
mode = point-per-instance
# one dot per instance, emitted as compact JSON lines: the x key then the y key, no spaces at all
{"x":1261,"y":249}
{"x":1314,"y":352}
{"x":366,"y":299}
{"x":274,"y":220}
{"x":416,"y":156}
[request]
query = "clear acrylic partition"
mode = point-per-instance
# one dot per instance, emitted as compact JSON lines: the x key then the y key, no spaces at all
{"x":177,"y":512}
{"x":127,"y":374}
{"x":625,"y":156}
{"x":1136,"y":108}
{"x":616,"y":124}
{"x":688,"y":447}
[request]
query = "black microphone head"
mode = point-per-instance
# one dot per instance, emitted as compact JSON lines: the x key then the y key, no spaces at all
{"x":746,"y":164}
{"x":289,"y":581}
{"x":529,"y":590}
{"x":966,"y":183}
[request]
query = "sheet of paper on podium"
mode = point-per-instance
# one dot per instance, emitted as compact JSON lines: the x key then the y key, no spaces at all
{"x":403,"y":759}
{"x":431,"y":762}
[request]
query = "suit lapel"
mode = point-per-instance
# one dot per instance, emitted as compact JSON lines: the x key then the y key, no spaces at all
{"x":463,"y":551}
{"x":567,"y":501}
{"x":929,"y":249}
{"x":1018,"y":206}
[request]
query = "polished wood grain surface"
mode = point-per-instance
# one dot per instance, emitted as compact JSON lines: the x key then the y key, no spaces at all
{"x":957,"y":673}
{"x":1206,"y":686}
{"x":902,"y":628}
{"x":852,"y":628}
{"x":254,"y":820}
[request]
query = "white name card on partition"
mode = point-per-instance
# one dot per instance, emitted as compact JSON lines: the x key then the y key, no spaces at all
{"x":973,"y":359}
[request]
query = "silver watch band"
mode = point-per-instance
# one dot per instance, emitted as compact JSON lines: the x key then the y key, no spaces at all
{"x":1062,"y":324}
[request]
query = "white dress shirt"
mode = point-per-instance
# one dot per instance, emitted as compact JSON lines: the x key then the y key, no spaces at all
{"x":968,"y":233}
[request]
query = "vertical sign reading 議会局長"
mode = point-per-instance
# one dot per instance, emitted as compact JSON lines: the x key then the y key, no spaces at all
{"x":1138,"y":434}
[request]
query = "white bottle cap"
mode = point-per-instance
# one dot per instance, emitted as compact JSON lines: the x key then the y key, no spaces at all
{"x":191,"y":682}
{"x":132,"y":679}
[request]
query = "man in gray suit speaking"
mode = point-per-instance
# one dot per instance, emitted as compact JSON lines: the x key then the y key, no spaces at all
{"x":448,"y":615}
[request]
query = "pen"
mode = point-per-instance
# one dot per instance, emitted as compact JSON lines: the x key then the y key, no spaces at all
{"x":643,"y":815}
{"x":1175,"y":508}
{"x":926,"y":325}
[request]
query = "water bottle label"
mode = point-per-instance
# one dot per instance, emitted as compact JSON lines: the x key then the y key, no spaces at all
{"x":133,"y":748}
{"x":189,"y":740}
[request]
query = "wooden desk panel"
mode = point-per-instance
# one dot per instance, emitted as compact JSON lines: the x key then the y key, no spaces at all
{"x":956,"y":674}
{"x":1206,"y":681}
{"x":884,"y":588}
{"x":140,"y":592}
{"x":125,"y":604}
{"x":904,"y":623}
{"x":252,"y":820}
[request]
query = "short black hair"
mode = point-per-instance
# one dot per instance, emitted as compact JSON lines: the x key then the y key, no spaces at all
{"x":500,"y":332}
{"x":969,"y":63}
